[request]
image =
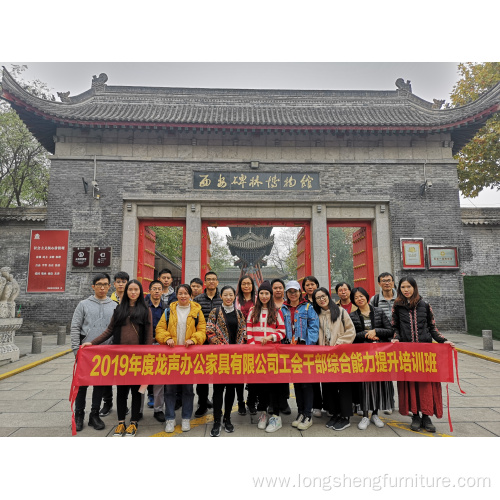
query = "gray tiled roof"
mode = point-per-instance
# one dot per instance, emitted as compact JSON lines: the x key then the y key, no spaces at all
{"x":104,"y":105}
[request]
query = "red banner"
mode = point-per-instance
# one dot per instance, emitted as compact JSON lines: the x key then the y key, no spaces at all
{"x":158,"y":364}
{"x":48,"y":259}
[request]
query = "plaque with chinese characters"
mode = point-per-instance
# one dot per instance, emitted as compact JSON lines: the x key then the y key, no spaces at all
{"x":256,"y":181}
{"x":442,"y":257}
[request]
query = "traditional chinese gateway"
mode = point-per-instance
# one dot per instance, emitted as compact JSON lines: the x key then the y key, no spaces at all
{"x":129,"y":158}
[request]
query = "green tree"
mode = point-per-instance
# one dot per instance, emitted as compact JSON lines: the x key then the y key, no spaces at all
{"x":478,"y":161}
{"x":24,"y":163}
{"x":341,"y":267}
{"x":169,"y":242}
{"x":220,"y":256}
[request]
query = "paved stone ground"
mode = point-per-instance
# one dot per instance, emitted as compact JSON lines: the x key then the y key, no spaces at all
{"x":35,"y":402}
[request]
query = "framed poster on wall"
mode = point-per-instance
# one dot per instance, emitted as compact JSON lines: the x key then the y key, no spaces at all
{"x":412,"y":253}
{"x":442,"y":257}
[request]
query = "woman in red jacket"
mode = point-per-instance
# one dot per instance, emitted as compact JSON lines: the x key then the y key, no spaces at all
{"x":265,"y":324}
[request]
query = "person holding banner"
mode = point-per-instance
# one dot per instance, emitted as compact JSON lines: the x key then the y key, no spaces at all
{"x":131,"y":324}
{"x":186,"y":326}
{"x":265,"y":324}
{"x":372,"y":325}
{"x":413,"y":321}
{"x":226,"y":325}
{"x":335,"y":328}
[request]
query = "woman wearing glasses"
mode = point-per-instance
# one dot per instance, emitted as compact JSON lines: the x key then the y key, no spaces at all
{"x":335,"y":328}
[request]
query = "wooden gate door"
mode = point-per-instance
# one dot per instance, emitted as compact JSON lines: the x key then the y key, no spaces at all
{"x":146,"y":257}
{"x":361,"y":255}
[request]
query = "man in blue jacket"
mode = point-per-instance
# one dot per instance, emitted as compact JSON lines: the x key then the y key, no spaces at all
{"x":302,"y":327}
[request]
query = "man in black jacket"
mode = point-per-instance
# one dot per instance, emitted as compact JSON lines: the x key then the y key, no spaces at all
{"x":208,"y":300}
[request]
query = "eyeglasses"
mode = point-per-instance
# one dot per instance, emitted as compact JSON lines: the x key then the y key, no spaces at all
{"x":101,"y":285}
{"x":211,"y":279}
{"x":156,"y":290}
{"x":386,"y":281}
{"x":321,"y":297}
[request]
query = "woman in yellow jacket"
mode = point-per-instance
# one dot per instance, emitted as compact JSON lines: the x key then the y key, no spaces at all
{"x":185,"y":326}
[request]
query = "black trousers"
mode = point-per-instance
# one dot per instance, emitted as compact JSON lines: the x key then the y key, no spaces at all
{"x":202,"y":392}
{"x":82,"y":395}
{"x":317,"y":397}
{"x":337,"y":397}
{"x":121,"y":401}
{"x":239,"y":393}
{"x":266,"y":393}
{"x":228,"y":400}
{"x":107,"y":393}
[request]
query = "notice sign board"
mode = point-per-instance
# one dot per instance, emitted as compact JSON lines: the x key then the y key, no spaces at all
{"x":443,"y":257}
{"x":81,"y":256}
{"x":102,"y":256}
{"x":412,"y":253}
{"x":48,"y":259}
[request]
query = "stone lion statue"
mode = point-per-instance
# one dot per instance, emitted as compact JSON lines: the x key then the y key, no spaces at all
{"x":9,"y":290}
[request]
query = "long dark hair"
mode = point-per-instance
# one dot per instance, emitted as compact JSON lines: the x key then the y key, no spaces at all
{"x":239,"y":293}
{"x":334,"y":308}
{"x":272,"y":312}
{"x":401,"y":300}
{"x":139,"y":314}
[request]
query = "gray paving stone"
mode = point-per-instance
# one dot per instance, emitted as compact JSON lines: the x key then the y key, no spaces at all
{"x":26,"y":377}
{"x":29,"y":406}
{"x":15,"y":395}
{"x":55,"y":419}
{"x":42,"y":432}
{"x":43,"y":386}
{"x":53,"y":394}
{"x":475,"y":402}
{"x":7,"y":386}
{"x":6,"y":431}
{"x":493,"y":427}
{"x":466,"y":429}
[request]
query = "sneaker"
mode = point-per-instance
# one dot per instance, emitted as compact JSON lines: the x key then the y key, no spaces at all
{"x":131,"y":430}
{"x":388,"y":412}
{"x":376,"y":420}
{"x":170,"y":426}
{"x":416,"y":422}
{"x":359,"y":411}
{"x":106,"y":409}
{"x":186,"y":425}
{"x":228,"y":426}
{"x":298,"y":420}
{"x":305,"y":424}
{"x":274,"y":424}
{"x":251,"y":409}
{"x":427,"y":424}
{"x":286,"y":410}
{"x":151,"y":401}
{"x":331,"y":423}
{"x":364,"y":423}
{"x":95,"y":421}
{"x":329,"y":413}
{"x":202,"y":410}
{"x":341,"y":424}
{"x":270,"y":409}
{"x":241,"y":409}
{"x":159,"y":415}
{"x":210,"y":404}
{"x":262,"y":423}
{"x":215,"y":432}
{"x":316,"y":412}
{"x":120,"y":430}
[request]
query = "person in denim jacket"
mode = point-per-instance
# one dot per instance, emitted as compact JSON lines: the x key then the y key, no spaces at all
{"x":302,"y":327}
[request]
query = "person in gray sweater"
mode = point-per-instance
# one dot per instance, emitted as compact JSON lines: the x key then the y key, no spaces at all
{"x":90,"y":319}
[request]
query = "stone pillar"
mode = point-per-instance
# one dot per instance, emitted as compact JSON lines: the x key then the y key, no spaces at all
{"x":9,"y":290}
{"x":192,"y":263}
{"x":319,"y":245}
{"x":130,"y":237}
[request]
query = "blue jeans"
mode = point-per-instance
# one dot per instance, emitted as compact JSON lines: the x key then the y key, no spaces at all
{"x":187,"y":401}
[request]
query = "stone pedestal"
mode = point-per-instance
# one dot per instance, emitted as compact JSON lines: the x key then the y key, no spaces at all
{"x":8,"y":349}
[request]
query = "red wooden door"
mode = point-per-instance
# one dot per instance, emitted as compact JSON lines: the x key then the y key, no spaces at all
{"x":360,"y":260}
{"x":146,"y":258}
{"x":301,"y":255}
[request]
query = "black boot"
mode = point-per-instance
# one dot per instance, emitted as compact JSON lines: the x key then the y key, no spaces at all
{"x":95,"y":420}
{"x":79,"y":416}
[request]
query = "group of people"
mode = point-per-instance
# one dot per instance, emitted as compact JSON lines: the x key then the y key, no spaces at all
{"x":277,"y":312}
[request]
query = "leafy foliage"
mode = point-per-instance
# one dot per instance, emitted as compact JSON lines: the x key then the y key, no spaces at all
{"x":220,"y":256}
{"x":169,"y":242}
{"x":24,"y":163}
{"x":341,"y":267}
{"x":479,"y":161}
{"x":284,"y":252}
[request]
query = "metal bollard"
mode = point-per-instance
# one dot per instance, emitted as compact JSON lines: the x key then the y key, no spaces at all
{"x":36,"y":344}
{"x":61,"y":335}
{"x":487,"y":340}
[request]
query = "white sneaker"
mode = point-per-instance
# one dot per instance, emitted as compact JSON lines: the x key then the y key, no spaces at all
{"x":262,"y":424}
{"x":365,"y":422}
{"x":186,"y":425}
{"x":274,"y":424}
{"x":305,"y":424}
{"x":316,"y":412}
{"x":376,"y":420}
{"x":170,"y":426}
{"x":359,"y":411}
{"x":298,"y":420}
{"x":388,"y":412}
